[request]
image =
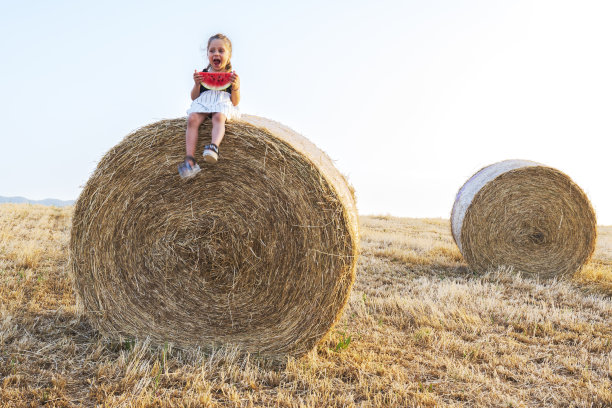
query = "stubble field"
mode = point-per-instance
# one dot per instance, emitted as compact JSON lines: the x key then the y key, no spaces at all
{"x":420,"y":329}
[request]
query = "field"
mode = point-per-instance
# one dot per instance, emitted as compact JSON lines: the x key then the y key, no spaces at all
{"x":420,"y":329}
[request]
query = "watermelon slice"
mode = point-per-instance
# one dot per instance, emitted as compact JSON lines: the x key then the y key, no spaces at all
{"x":216,"y":81}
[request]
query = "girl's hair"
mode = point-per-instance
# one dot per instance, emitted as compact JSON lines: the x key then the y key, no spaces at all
{"x":227,"y":41}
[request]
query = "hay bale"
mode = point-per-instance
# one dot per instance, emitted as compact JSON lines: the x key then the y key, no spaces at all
{"x":257,"y":251}
{"x":524,"y":215}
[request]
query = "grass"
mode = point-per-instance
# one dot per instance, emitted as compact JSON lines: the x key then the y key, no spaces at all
{"x":420,"y":329}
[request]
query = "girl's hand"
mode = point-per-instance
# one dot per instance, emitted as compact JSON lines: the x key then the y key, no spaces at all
{"x":235,"y":81}
{"x":196,"y":77}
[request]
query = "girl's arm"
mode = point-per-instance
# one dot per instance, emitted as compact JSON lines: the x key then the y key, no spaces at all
{"x":235,"y":97}
{"x":195,"y":91}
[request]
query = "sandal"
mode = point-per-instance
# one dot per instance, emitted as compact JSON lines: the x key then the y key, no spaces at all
{"x":211,"y":153}
{"x":186,"y":169}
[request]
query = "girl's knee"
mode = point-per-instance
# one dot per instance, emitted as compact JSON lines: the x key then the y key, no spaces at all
{"x":195,"y":119}
{"x":218,"y":118}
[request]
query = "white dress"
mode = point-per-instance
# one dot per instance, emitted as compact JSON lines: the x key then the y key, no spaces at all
{"x":215,"y":101}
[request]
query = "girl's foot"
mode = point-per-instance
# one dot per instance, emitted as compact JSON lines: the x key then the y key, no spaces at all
{"x":188,"y":168}
{"x":211,"y":153}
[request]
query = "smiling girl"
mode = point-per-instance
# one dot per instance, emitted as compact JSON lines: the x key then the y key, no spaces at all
{"x":220,"y":106}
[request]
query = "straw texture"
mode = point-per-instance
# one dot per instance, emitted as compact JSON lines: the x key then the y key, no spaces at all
{"x":257,"y":251}
{"x":524,"y":215}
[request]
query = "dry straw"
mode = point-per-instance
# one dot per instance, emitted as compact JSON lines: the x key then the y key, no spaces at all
{"x":524,"y":215}
{"x":257,"y":251}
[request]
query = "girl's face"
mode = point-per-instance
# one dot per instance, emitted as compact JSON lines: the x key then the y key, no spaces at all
{"x":218,"y":54}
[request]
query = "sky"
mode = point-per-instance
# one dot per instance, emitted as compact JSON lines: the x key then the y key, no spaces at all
{"x":409,"y":98}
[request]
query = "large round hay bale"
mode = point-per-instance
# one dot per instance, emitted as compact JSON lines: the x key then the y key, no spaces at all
{"x":525,"y":215}
{"x":257,"y":251}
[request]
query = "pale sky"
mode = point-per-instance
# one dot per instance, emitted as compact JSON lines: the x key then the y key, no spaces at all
{"x":410,"y":98}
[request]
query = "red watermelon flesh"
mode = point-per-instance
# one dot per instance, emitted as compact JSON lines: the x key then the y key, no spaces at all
{"x":216,"y":81}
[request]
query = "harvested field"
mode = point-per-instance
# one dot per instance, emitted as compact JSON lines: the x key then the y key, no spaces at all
{"x":420,"y":329}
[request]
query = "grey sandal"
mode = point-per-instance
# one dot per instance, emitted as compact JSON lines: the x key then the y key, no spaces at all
{"x":186,"y":169}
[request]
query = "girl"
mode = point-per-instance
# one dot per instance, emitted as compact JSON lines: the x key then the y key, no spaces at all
{"x":218,"y":105}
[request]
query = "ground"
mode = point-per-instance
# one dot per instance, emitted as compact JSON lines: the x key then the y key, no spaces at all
{"x":420,"y":329}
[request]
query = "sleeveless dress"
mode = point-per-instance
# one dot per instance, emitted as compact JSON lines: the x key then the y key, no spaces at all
{"x":215,"y":101}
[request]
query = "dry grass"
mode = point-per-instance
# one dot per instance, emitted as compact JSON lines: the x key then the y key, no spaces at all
{"x":420,"y":329}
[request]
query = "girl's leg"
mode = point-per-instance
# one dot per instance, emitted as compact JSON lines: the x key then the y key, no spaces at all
{"x":194,"y":121}
{"x":218,"y":128}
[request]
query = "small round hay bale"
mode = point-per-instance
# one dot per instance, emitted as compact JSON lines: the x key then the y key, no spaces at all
{"x":524,"y":215}
{"x":257,"y":251}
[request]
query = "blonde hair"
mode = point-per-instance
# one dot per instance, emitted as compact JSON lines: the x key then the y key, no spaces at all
{"x":219,"y":36}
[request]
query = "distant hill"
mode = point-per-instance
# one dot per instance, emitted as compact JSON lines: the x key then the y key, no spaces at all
{"x":46,"y":201}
